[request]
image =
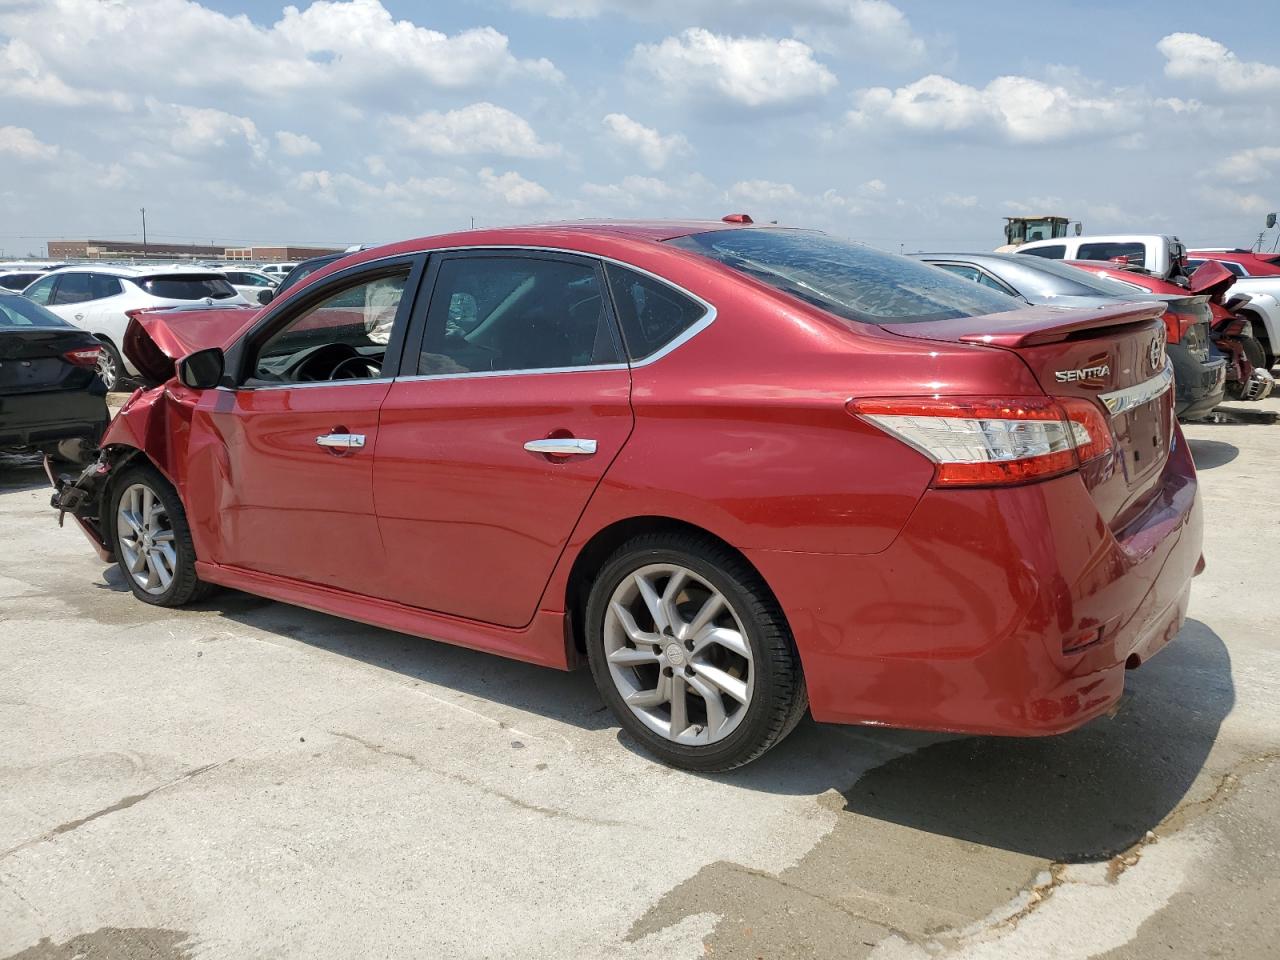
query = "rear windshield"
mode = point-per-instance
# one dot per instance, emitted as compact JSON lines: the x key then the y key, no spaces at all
{"x":1055,"y":251}
{"x":19,"y":312}
{"x":17,"y":281}
{"x":187,"y":287}
{"x":1134,"y":254}
{"x":1051,"y":278}
{"x":848,"y":279}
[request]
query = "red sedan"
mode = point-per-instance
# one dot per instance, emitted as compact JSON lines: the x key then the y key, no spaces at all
{"x":740,"y":471}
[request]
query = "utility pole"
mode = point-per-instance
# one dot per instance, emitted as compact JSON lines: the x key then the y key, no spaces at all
{"x":144,"y":232}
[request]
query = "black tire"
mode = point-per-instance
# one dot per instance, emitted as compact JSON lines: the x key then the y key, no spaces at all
{"x":111,"y":366}
{"x":779,"y":700}
{"x":185,"y":586}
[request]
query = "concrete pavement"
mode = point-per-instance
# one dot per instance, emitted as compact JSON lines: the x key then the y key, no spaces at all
{"x":247,"y":779}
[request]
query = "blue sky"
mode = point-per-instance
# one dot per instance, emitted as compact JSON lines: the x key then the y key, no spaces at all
{"x":911,"y":125}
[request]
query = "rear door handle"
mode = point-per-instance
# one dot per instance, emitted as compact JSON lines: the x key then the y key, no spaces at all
{"x":562,"y":446}
{"x":340,"y":441}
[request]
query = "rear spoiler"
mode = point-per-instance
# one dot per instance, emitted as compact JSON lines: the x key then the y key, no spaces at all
{"x":1037,"y":329}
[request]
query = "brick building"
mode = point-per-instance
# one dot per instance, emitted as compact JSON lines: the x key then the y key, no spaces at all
{"x":132,"y":249}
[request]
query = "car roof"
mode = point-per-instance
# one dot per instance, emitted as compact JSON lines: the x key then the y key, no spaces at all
{"x":120,"y":270}
{"x":1007,"y":257}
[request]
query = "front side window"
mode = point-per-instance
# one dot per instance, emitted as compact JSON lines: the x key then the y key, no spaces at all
{"x":492,"y":314}
{"x":344,"y":337}
{"x":849,"y":280}
{"x":1054,"y":251}
{"x":73,"y":288}
{"x":40,"y":290}
{"x":650,"y":313}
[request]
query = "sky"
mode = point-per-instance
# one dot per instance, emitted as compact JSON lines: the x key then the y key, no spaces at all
{"x":912,"y":125}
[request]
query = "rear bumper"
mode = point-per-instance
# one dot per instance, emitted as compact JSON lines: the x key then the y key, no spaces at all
{"x":964,"y":623}
{"x":1198,"y":387}
{"x":30,"y":418}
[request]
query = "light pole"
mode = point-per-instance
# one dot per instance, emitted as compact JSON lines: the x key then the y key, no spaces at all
{"x":144,"y":232}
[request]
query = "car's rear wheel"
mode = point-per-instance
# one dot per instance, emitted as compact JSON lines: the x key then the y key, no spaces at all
{"x":692,"y":653}
{"x":153,"y":541}
{"x":110,"y":365}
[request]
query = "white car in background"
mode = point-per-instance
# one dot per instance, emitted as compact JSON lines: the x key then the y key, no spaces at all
{"x":278,"y":270}
{"x":98,"y":298}
{"x":250,"y":283}
{"x":1159,"y":254}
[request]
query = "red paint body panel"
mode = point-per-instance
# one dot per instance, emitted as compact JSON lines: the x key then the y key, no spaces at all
{"x":1258,"y":264}
{"x":473,"y":524}
{"x":960,"y":624}
{"x":911,"y":605}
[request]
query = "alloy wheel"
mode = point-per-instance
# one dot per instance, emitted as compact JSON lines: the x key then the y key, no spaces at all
{"x":678,"y":654}
{"x":146,"y":539}
{"x":108,"y":368}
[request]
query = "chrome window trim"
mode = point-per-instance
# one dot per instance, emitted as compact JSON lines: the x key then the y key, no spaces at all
{"x":676,"y":342}
{"x":707,"y":318}
{"x":304,"y":384}
{"x":1126,"y":399}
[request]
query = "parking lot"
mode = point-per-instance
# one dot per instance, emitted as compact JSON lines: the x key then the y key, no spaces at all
{"x":248,"y":779}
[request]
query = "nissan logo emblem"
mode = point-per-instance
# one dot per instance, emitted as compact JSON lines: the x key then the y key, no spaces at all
{"x":1157,"y":353}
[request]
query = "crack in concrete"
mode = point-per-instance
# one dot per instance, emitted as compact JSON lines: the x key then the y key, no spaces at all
{"x":550,"y":812}
{"x":1177,"y":820}
{"x":124,"y":803}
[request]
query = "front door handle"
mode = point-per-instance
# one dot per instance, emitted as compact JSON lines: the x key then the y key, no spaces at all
{"x":562,"y":447}
{"x":340,"y":441}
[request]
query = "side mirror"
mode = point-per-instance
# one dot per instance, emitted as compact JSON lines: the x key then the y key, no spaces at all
{"x":202,"y":370}
{"x":266,"y":296}
{"x":1271,"y":220}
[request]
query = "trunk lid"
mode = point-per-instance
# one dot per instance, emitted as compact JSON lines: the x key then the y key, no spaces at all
{"x":1113,"y":357}
{"x":156,"y":339}
{"x":31,"y":359}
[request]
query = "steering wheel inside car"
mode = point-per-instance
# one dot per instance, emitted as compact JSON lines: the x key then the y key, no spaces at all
{"x":356,"y":368}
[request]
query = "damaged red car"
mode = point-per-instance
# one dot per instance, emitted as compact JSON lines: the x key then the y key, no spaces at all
{"x":741,"y":472}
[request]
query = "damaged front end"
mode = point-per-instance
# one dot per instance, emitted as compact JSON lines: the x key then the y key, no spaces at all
{"x":84,"y":497}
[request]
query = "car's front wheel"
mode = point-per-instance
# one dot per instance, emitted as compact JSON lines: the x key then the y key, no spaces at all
{"x":153,"y":541}
{"x":691,"y":651}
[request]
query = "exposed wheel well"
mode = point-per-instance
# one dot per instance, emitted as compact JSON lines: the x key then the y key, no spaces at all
{"x":1260,"y":334}
{"x":598,"y":549}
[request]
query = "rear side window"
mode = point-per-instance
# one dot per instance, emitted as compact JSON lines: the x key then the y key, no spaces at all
{"x":1055,"y":251}
{"x":651,"y":313}
{"x":847,"y":279}
{"x":1133,"y":253}
{"x":102,"y":286}
{"x":187,"y":287}
{"x":21,"y":312}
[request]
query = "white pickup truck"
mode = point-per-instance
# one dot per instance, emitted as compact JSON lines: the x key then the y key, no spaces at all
{"x":1165,"y":256}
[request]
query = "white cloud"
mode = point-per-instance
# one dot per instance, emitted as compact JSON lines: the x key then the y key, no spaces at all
{"x":833,"y":26}
{"x":1018,"y":109}
{"x":295,"y":144}
{"x":339,"y":47}
{"x":1237,"y":202}
{"x":961,"y":201}
{"x":654,"y":148}
{"x":1249,"y":165}
{"x":24,"y":75}
{"x":775,"y":200}
{"x":513,"y":188}
{"x":197,"y":130}
{"x":632,"y":191}
{"x":478,"y":128}
{"x":1191,"y":56}
{"x":25,"y":145}
{"x":749,"y":71}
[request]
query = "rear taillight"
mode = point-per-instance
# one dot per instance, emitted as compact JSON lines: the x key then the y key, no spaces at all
{"x":1177,"y":324}
{"x":83,"y":356}
{"x":990,"y":441}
